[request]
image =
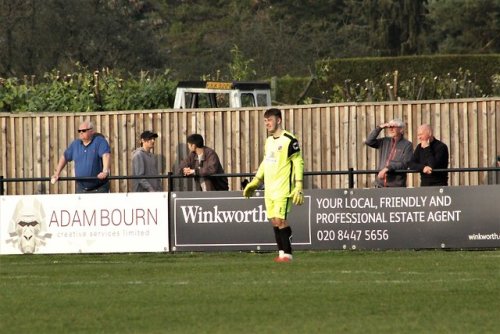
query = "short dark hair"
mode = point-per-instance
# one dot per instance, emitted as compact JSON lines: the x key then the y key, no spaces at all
{"x":196,"y":139}
{"x":273,"y":112}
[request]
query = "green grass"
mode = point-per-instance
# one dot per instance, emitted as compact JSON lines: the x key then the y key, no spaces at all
{"x":321,"y":292}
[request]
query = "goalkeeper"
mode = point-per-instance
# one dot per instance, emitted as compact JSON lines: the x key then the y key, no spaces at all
{"x":282,"y":171}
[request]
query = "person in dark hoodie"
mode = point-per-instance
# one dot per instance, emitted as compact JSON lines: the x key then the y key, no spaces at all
{"x":145,"y":163}
{"x":202,"y":162}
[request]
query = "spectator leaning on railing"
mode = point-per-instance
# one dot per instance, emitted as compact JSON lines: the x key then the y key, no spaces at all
{"x":430,"y":154}
{"x":91,"y":154}
{"x":202,"y":162}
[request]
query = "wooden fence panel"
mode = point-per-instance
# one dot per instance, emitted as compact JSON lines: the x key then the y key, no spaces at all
{"x":331,"y":137}
{"x":493,"y":140}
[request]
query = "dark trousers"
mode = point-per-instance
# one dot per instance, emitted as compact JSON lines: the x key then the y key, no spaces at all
{"x":103,"y":188}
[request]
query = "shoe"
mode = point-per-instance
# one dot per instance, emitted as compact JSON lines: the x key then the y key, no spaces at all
{"x":283,"y":258}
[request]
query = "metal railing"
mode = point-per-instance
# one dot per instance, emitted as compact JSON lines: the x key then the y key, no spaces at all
{"x":170,"y":176}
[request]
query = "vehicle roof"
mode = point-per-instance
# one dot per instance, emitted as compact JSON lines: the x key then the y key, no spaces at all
{"x":241,"y":85}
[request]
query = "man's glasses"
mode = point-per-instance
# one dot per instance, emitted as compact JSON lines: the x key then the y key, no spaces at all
{"x":84,"y":130}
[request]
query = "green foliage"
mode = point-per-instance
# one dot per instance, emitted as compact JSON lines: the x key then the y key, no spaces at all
{"x":336,"y":80}
{"x":288,"y":89}
{"x":420,"y":87}
{"x":84,"y":90}
{"x":407,"y":78}
{"x":12,"y":93}
{"x":335,"y":71}
{"x":71,"y":92}
{"x":495,"y":78}
{"x":145,"y":92}
{"x":240,"y":68}
{"x":393,"y":78}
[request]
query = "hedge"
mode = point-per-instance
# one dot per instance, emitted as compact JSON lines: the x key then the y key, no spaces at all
{"x":335,"y":80}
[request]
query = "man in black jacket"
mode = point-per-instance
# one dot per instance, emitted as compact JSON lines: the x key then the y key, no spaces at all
{"x":430,"y":154}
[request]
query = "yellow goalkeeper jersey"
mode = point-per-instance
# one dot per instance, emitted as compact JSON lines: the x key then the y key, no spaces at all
{"x":281,"y":166}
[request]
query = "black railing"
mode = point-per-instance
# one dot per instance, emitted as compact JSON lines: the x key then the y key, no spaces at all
{"x":170,"y":176}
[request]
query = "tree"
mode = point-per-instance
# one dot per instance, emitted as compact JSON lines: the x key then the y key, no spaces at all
{"x":41,"y":36}
{"x":464,"y":26}
{"x":14,"y":18}
{"x":194,"y":38}
{"x":395,"y":26}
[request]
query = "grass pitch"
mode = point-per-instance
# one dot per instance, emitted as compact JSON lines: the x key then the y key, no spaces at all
{"x":320,"y":292}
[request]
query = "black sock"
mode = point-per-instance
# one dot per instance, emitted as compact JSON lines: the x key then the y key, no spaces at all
{"x":286,"y":239}
{"x":277,"y":236}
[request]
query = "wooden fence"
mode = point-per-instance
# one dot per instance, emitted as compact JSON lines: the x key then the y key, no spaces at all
{"x":331,"y":136}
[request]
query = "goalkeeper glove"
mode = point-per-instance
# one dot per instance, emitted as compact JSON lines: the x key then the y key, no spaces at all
{"x":297,"y":194}
{"x":251,"y":187}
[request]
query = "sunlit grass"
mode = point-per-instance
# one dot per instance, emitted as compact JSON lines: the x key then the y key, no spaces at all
{"x":321,"y":292}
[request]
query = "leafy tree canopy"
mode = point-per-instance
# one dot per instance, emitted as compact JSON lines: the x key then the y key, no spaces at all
{"x":195,"y":38}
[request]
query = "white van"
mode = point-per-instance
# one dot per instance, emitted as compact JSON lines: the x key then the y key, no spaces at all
{"x":216,"y":94}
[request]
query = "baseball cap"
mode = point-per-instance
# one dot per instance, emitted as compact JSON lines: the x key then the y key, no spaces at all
{"x":148,"y":135}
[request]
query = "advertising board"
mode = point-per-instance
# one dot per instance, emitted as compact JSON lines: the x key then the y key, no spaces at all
{"x":84,"y":223}
{"x":389,"y":218}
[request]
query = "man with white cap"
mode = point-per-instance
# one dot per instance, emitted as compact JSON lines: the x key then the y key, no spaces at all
{"x":395,"y":152}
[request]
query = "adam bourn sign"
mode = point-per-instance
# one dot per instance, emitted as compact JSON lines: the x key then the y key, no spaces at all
{"x":392,"y":218}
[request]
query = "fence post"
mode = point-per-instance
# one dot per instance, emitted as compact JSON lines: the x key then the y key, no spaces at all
{"x":1,"y":185}
{"x":351,"y":178}
{"x":170,"y":186}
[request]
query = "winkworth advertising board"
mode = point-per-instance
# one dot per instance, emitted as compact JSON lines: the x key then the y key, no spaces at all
{"x":225,"y":220}
{"x":397,"y":218}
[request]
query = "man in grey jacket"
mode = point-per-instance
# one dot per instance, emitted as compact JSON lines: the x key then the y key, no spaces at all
{"x":395,"y":152}
{"x":144,"y":163}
